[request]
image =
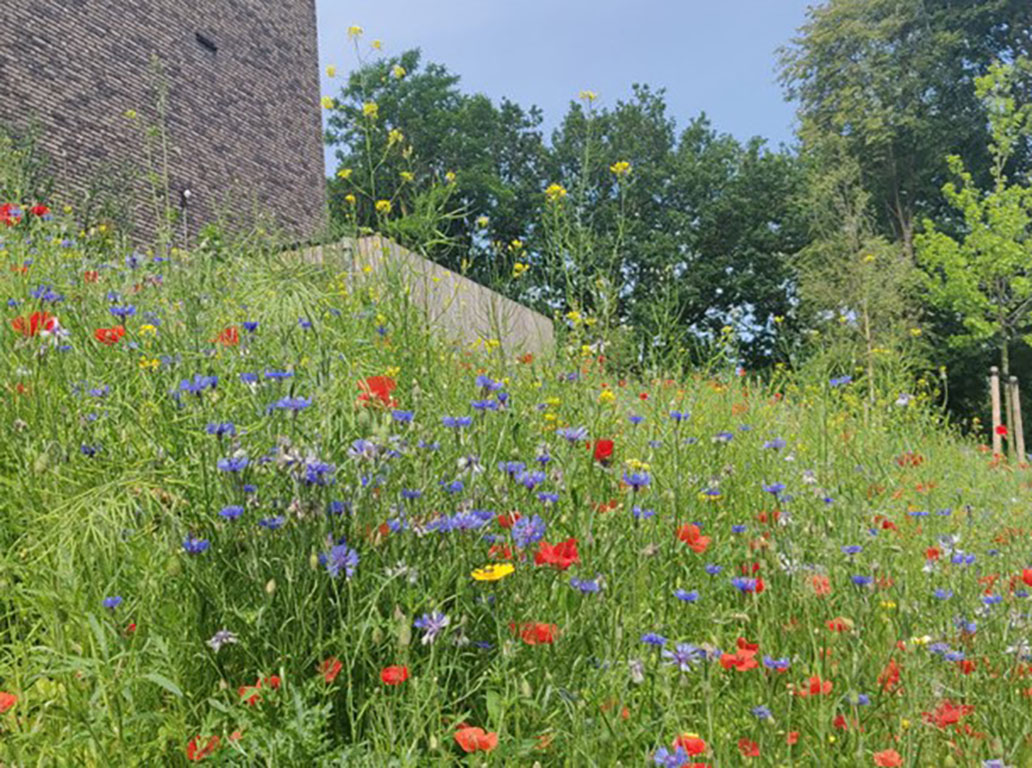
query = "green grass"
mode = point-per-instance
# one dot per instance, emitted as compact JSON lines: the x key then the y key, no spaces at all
{"x":78,"y":528}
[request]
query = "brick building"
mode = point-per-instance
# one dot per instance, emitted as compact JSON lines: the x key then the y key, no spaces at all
{"x":242,"y":116}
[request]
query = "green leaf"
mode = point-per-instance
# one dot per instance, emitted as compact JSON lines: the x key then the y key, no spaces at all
{"x":164,"y":682}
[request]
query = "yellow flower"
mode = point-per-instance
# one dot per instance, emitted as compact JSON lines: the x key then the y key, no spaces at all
{"x":331,"y":71}
{"x":915,"y":332}
{"x":869,"y":258}
{"x":377,"y":45}
{"x":406,"y":176}
{"x":354,"y":31}
{"x":606,"y":396}
{"x":327,"y":102}
{"x":395,"y":137}
{"x":147,"y":328}
{"x":515,"y":245}
{"x":493,"y":572}
{"x":344,"y":173}
{"x":371,"y":110}
{"x":398,"y":72}
{"x":588,"y":96}
{"x":590,"y":321}
{"x":555,"y":193}
{"x":621,"y":168}
{"x":922,"y":640}
{"x":573,"y":316}
{"x":392,"y":371}
{"x":519,"y":268}
{"x":450,"y":177}
{"x":482,"y":221}
{"x":779,"y":319}
{"x":149,"y":364}
{"x":383,"y":206}
{"x":350,"y":199}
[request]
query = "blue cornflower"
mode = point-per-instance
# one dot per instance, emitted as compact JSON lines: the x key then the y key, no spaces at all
{"x":294,"y":404}
{"x":586,"y":586}
{"x":127,"y":311}
{"x":954,"y":656}
{"x":279,"y":375}
{"x":195,"y":546}
{"x":840,"y":381}
{"x":637,"y":480}
{"x":432,"y":625}
{"x":775,"y":445}
{"x":531,"y":480}
{"x":456,"y":422}
{"x":233,"y":464}
{"x":738,"y":529}
{"x":402,"y":417}
{"x":684,"y":655}
{"x":453,"y":486}
{"x":686,"y":596}
{"x":548,"y":498}
{"x":943,"y":594}
{"x":249,"y":378}
{"x":511,"y":468}
{"x":573,"y":434}
{"x":221,"y":429}
{"x":779,"y":664}
{"x":762,"y":712}
{"x":723,"y":437}
{"x":712,"y":568}
{"x":992,"y":599}
{"x":198,"y":384}
{"x":861,"y":580}
{"x":635,"y":419}
{"x":528,"y":530}
{"x":852,"y":549}
{"x":411,"y":494}
{"x":112,"y":602}
{"x":642,"y":514}
{"x":651,"y":638}
{"x":273,"y":523}
{"x":679,"y":416}
{"x":482,"y":406}
{"x":744,"y":584}
{"x":774,"y":488}
{"x":664,"y":758}
{"x":340,"y":558}
{"x":231,"y":512}
{"x":250,"y":325}
{"x":488,"y":384}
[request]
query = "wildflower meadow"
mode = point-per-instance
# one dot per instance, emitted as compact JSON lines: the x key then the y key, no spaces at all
{"x":252,"y":518}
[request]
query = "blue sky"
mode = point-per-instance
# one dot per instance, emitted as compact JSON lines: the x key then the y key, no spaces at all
{"x":717,"y":56}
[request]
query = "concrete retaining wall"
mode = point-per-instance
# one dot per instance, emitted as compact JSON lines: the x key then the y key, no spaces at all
{"x":464,"y":311}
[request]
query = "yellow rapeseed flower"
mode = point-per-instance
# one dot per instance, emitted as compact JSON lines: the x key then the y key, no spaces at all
{"x":515,"y":245}
{"x":354,"y":31}
{"x":327,"y":102}
{"x":350,"y":199}
{"x":395,"y":137}
{"x":554,"y":193}
{"x":331,"y":71}
{"x":482,"y":221}
{"x":383,"y":206}
{"x":493,"y":572}
{"x":450,"y":177}
{"x":147,"y":328}
{"x":377,"y":45}
{"x":573,"y":316}
{"x":398,"y":72}
{"x":406,"y":176}
{"x":519,"y":268}
{"x":606,"y":396}
{"x":621,"y":168}
{"x":371,"y":110}
{"x":344,"y":173}
{"x":588,"y":96}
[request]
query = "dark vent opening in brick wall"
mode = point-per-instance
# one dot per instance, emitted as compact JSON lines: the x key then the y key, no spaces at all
{"x":206,"y":43}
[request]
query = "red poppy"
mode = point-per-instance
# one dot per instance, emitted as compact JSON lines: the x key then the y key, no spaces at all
{"x":394,"y":675}
{"x":90,"y":276}
{"x":1002,"y":430}
{"x":692,"y":536}
{"x":740,"y":660}
{"x":748,"y":748}
{"x":330,"y":668}
{"x":691,"y":744}
{"x":888,"y":758}
{"x":36,"y":323}
{"x":376,"y":390}
{"x":249,"y":694}
{"x":7,"y":700}
{"x":109,"y":336}
{"x":889,"y":677}
{"x":821,"y":584}
{"x":603,"y":451}
{"x":507,"y":520}
{"x":1026,"y":576}
{"x":839,"y":624}
{"x":792,"y":737}
{"x":947,"y":713}
{"x":538,"y":633}
{"x":814,"y":687}
{"x":10,"y":214}
{"x":932,"y":553}
{"x":475,"y":739}
{"x":195,"y":752}
{"x":561,"y":555}
{"x":39,"y":210}
{"x":228,"y":337}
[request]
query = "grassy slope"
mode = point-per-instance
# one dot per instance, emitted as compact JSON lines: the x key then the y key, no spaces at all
{"x":77,"y":528}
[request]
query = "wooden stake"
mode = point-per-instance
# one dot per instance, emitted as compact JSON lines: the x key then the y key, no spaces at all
{"x":1019,"y":430}
{"x":994,"y":397}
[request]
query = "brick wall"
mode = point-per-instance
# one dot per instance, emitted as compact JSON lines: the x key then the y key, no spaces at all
{"x":243,"y":119}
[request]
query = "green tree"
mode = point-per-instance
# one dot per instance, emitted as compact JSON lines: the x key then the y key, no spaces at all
{"x":984,"y":276}
{"x":892,"y":80}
